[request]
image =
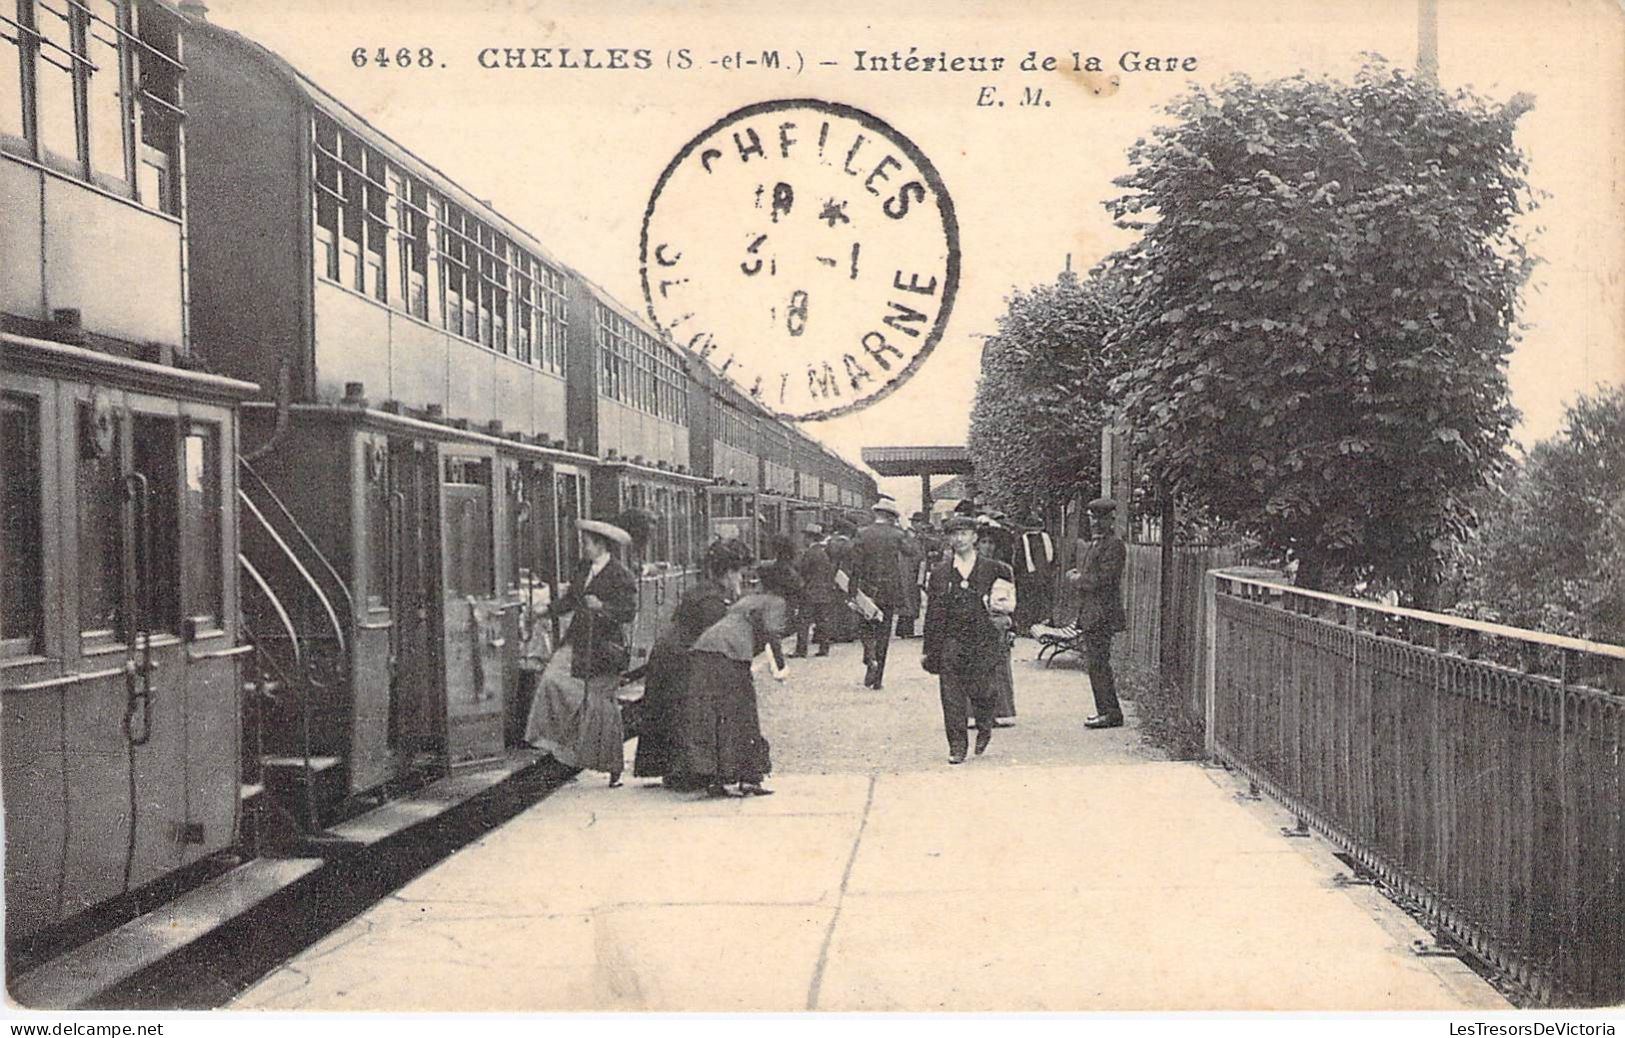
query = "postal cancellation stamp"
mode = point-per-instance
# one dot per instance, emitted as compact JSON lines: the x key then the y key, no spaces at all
{"x":806,"y":250}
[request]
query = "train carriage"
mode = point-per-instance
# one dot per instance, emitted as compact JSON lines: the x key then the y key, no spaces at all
{"x":120,"y":657}
{"x":120,"y":662}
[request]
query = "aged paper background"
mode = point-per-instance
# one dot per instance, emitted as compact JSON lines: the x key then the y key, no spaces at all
{"x":573,"y":153}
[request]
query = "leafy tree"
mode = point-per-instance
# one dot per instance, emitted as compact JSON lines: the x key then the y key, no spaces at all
{"x":1319,"y":311}
{"x":1042,"y":397}
{"x":1550,"y":551}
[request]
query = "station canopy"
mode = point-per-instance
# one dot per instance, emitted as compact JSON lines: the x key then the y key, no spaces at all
{"x":918,"y":461}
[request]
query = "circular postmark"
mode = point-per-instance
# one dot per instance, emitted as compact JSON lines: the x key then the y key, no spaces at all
{"x":806,"y":250}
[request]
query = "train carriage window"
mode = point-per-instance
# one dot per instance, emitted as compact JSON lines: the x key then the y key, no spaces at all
{"x":22,"y":589}
{"x":682,"y":528}
{"x":453,"y":267}
{"x":375,"y":500}
{"x":104,"y":88}
{"x":494,"y":291}
{"x":55,"y":107}
{"x":352,"y":214}
{"x":481,"y":289}
{"x":555,"y":321}
{"x":200,"y":525}
{"x":375,"y":215}
{"x":699,"y":524}
{"x":521,"y":527}
{"x":662,"y":534}
{"x":155,"y":454}
{"x":329,"y":196}
{"x":569,"y":493}
{"x":11,"y":78}
{"x":524,"y":273}
{"x":158,"y":108}
{"x":412,"y":205}
{"x":470,"y":569}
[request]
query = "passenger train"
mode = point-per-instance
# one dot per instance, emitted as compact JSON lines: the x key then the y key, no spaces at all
{"x":294,"y":427}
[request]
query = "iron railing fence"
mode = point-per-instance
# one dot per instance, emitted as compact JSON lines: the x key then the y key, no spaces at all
{"x":1492,"y":796}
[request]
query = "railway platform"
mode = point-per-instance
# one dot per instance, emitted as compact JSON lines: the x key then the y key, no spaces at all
{"x":1064,"y":870}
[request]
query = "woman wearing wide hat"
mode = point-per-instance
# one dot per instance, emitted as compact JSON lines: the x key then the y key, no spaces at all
{"x":722,"y":741}
{"x":659,"y":724}
{"x":575,"y":716}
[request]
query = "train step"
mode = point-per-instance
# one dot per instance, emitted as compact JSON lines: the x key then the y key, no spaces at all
{"x":87,"y":971}
{"x":306,"y":789}
{"x":297,"y":764}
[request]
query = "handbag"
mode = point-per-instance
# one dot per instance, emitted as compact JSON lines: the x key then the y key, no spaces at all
{"x":1002,"y":598}
{"x":538,"y":648}
{"x":865,"y":606}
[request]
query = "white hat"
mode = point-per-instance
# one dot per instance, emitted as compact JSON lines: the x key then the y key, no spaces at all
{"x":608,"y":531}
{"x":887,"y":505}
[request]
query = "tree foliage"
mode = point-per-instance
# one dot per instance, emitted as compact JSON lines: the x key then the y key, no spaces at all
{"x":1550,"y":551}
{"x":1042,"y":398}
{"x":1319,"y":310}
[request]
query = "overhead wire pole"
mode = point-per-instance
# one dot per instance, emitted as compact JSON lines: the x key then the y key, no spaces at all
{"x":1427,"y":40}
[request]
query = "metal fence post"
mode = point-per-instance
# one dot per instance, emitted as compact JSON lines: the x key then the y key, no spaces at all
{"x":1210,"y":637}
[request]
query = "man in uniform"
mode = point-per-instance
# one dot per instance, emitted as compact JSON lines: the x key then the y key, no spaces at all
{"x":876,"y":572}
{"x":1034,"y":566}
{"x":838,"y":546}
{"x":931,"y":543}
{"x":818,"y":592}
{"x":1099,"y":581}
{"x":962,"y":645}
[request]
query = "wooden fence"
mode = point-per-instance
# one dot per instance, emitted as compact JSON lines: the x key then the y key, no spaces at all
{"x":1186,"y":619}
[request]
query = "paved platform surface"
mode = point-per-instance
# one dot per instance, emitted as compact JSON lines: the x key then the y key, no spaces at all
{"x":1065,"y":870}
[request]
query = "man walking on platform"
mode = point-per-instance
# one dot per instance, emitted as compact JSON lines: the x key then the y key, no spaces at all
{"x":817,"y":594}
{"x":908,"y":607}
{"x":876,"y":563}
{"x":1099,"y":580}
{"x":962,"y":645}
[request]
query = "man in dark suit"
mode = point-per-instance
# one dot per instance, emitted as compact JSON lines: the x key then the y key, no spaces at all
{"x":818,"y":592}
{"x":1099,"y":581}
{"x":962,"y":645}
{"x":908,"y":584}
{"x":877,"y":572}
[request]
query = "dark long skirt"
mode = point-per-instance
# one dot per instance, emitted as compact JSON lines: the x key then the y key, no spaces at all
{"x":721,"y":732}
{"x":660,"y":713}
{"x":1003,"y":684}
{"x":577,"y":721}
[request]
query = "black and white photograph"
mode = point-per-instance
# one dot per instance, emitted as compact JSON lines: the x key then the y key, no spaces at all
{"x":1108,"y":512}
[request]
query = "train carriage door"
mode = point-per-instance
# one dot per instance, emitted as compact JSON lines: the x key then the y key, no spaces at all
{"x":569,"y":491}
{"x":416,"y":706}
{"x":519,"y":562}
{"x":472,"y":613}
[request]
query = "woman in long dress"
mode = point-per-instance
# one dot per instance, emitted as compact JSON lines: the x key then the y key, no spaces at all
{"x":991,"y":543}
{"x":668,"y":672}
{"x":722,"y":741}
{"x":575,"y":716}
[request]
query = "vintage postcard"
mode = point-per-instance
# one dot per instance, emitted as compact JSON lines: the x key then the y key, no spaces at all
{"x":520,"y":506}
